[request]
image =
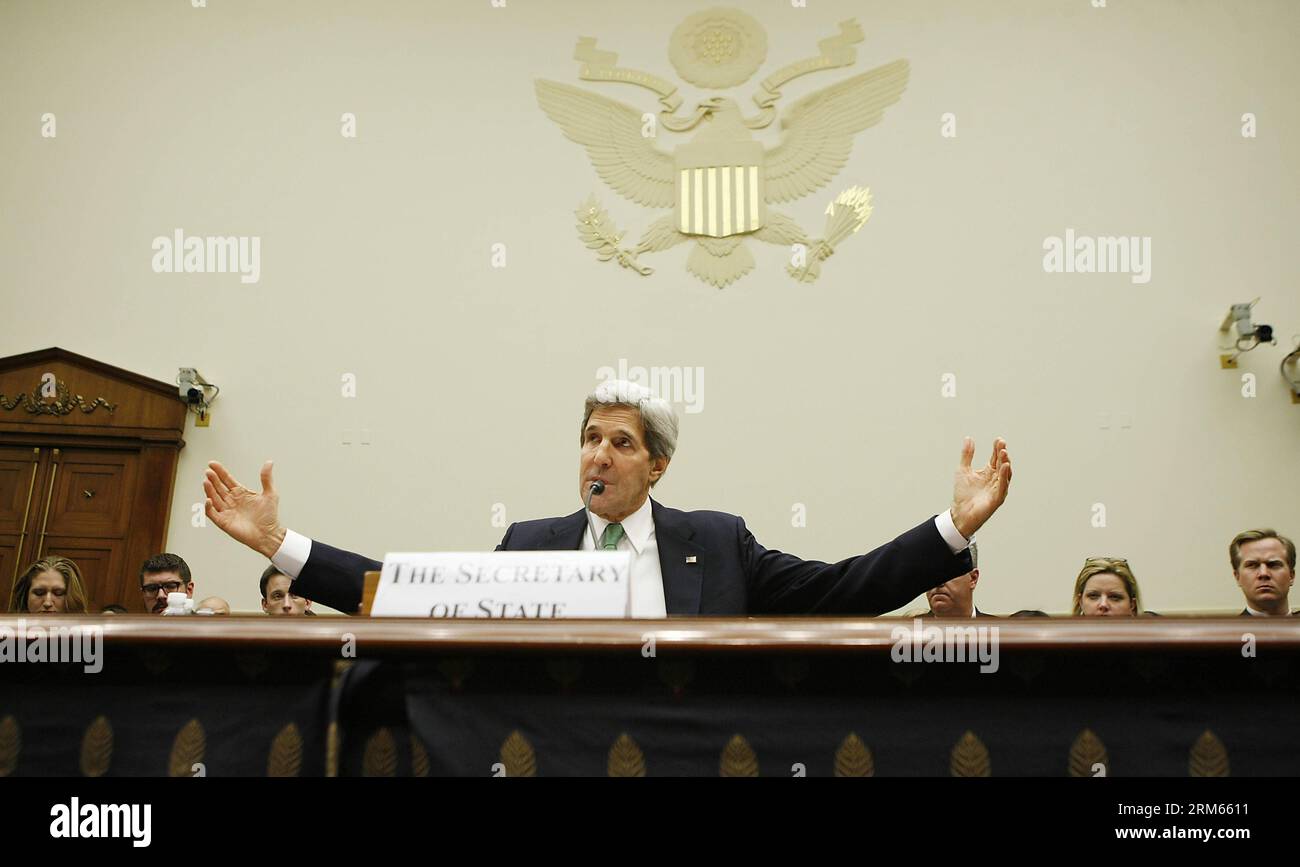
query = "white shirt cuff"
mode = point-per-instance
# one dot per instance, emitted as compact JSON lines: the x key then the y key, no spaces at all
{"x":942,"y":522}
{"x":294,"y":551}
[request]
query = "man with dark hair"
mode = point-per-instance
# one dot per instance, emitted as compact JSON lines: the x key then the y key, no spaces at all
{"x":276,"y":598}
{"x":1263,"y":562}
{"x":162,"y":574}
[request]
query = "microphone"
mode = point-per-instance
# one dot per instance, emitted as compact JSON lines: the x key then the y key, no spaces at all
{"x":597,"y":487}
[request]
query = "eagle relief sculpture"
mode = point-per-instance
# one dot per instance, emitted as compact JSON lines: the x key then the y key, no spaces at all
{"x":723,"y":184}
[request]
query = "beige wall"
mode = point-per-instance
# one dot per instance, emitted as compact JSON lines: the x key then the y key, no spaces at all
{"x":375,"y":261}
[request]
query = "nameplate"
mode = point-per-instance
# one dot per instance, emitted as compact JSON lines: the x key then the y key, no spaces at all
{"x":543,"y":585}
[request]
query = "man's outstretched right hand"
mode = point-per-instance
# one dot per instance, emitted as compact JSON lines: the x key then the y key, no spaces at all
{"x":246,"y":516}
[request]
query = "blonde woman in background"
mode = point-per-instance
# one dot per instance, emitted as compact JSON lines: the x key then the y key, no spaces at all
{"x":49,"y":586}
{"x":1106,"y":587}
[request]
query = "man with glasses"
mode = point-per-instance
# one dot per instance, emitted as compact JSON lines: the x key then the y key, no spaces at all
{"x":162,"y":574}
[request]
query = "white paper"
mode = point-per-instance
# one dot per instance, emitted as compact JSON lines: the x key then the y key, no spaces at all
{"x":542,"y":585}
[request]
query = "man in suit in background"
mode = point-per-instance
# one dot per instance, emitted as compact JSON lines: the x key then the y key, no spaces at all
{"x":1263,"y":562}
{"x":276,"y":598}
{"x":956,"y":598}
{"x":699,"y":562}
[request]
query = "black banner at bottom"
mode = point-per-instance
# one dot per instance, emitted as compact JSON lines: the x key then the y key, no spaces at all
{"x":132,"y":817}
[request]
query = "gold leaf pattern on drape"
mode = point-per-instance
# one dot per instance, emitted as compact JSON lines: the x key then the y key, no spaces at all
{"x":380,"y":757}
{"x":517,"y":756}
{"x":970,"y":758}
{"x":1086,"y":751}
{"x":419,"y":758}
{"x":97,"y":748}
{"x":11,"y":743}
{"x":187,"y":750}
{"x":1208,"y":757}
{"x":738,"y":759}
{"x":285,"y":759}
{"x":854,"y":759}
{"x":626,"y":758}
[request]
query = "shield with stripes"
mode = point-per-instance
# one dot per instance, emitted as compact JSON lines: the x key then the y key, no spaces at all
{"x":719,"y":188}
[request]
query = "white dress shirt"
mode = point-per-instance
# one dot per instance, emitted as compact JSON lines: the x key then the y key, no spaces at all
{"x":292,"y":554}
{"x":647,"y":596}
{"x":647,"y":576}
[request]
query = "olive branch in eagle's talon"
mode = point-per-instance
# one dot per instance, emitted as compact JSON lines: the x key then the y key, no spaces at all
{"x":599,"y":234}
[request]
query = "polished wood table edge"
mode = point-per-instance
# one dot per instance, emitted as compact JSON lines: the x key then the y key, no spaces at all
{"x":679,"y":633}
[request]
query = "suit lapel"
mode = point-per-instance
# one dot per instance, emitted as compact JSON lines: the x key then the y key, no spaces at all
{"x":566,"y":533}
{"x":681,"y":560}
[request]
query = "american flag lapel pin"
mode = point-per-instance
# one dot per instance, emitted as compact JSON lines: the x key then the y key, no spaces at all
{"x":690,"y":559}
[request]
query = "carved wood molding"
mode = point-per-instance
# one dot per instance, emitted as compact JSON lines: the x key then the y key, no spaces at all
{"x":64,"y":402}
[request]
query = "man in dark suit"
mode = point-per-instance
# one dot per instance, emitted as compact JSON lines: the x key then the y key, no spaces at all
{"x":956,"y":598}
{"x":1263,"y":563}
{"x":682,"y":562}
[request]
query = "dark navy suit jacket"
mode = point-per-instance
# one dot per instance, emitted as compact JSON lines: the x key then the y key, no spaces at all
{"x":731,"y":572}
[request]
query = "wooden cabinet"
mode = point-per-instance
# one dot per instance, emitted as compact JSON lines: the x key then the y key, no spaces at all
{"x":19,"y":469}
{"x":88,"y":457}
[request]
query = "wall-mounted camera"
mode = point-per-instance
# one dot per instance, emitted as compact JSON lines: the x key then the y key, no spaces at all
{"x":1248,"y":334}
{"x":197,"y":393}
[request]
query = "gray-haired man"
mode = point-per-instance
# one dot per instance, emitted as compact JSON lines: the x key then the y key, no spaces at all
{"x":700,"y":562}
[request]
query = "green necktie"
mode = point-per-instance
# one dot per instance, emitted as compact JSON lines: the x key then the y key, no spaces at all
{"x":609,"y":539}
